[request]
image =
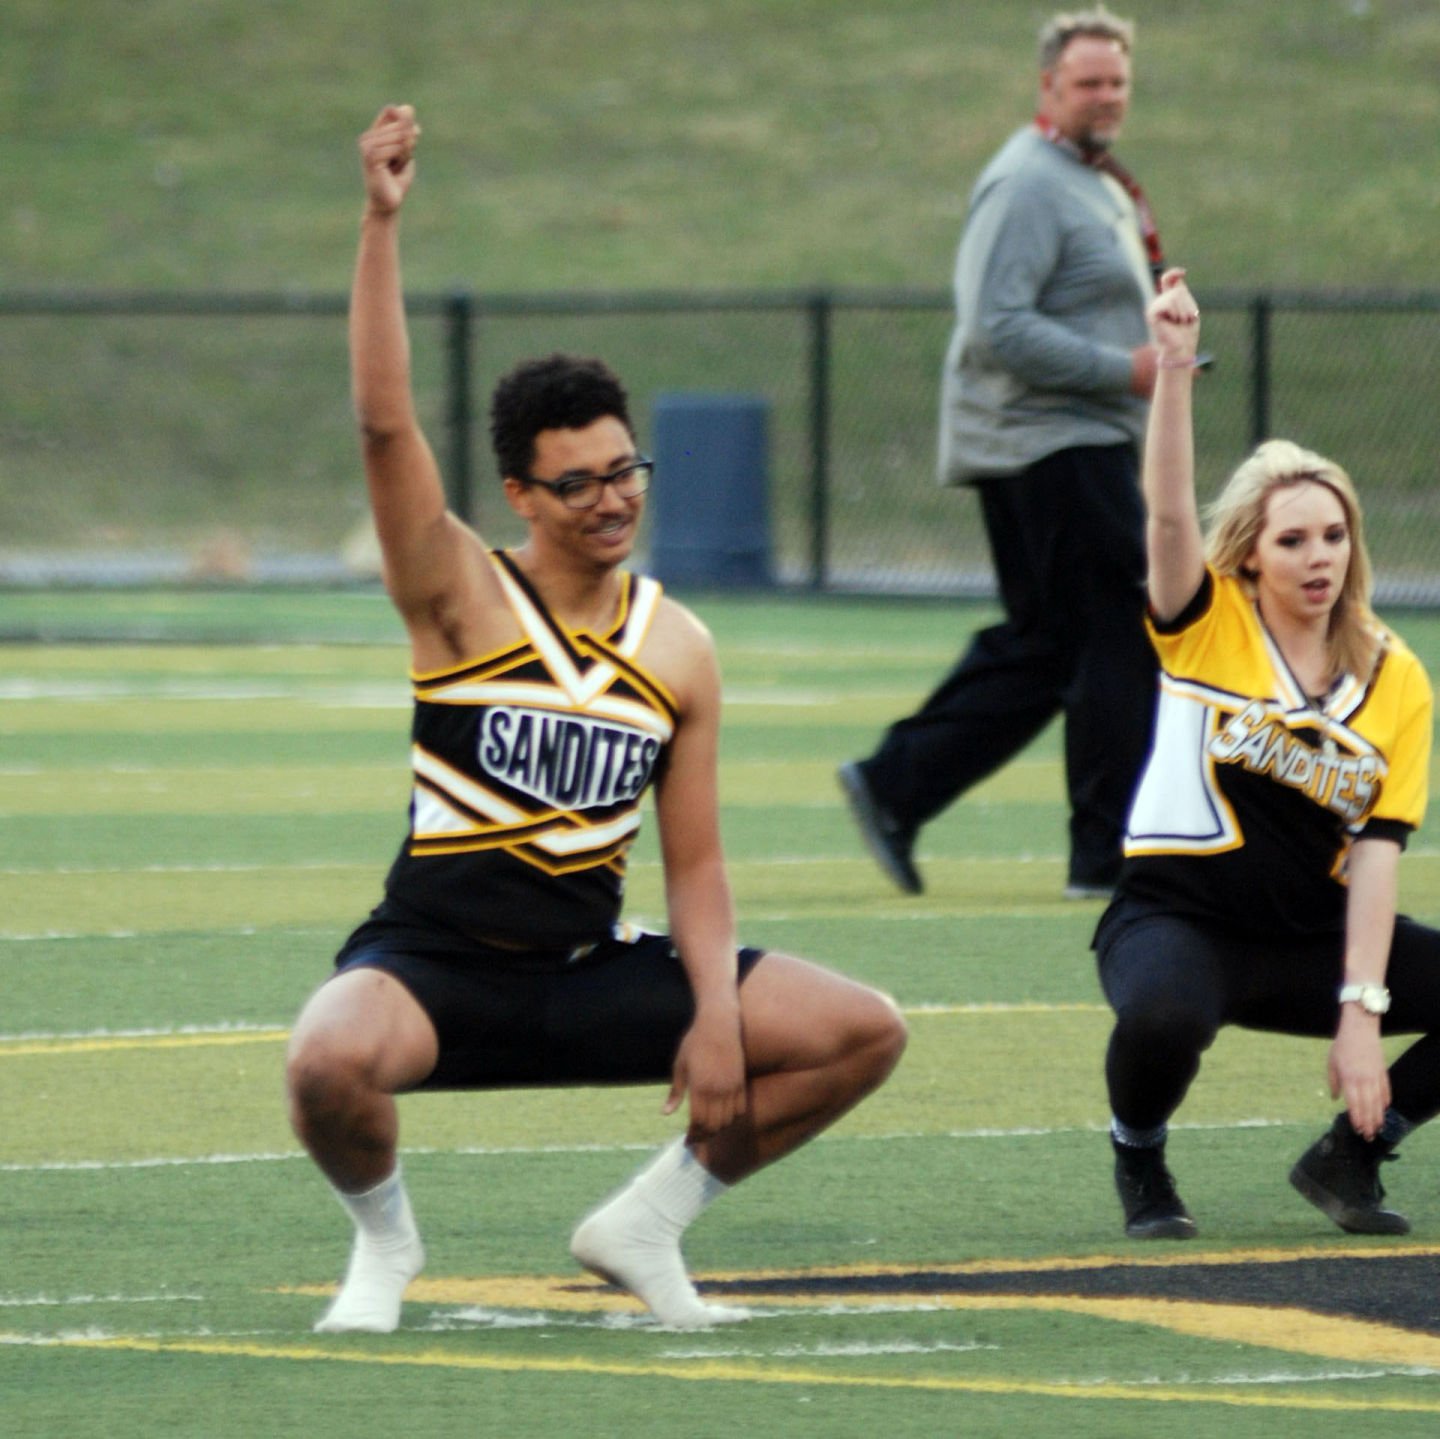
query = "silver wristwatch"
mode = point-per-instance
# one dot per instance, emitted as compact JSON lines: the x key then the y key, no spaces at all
{"x":1372,"y":998}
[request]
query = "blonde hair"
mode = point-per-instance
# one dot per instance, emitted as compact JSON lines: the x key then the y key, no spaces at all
{"x":1238,"y":515}
{"x":1098,"y":22}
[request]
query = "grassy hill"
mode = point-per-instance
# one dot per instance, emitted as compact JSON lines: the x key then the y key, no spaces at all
{"x":677,"y":142}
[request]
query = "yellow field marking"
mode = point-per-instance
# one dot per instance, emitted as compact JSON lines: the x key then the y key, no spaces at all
{"x":1297,"y":1331}
{"x":731,"y":1372}
{"x":103,"y":1043}
{"x":1060,"y":1263}
{"x":109,"y":1043}
{"x":1289,"y":1328}
{"x":583,"y":1294}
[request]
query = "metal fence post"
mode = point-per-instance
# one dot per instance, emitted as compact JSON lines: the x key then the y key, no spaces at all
{"x":68,"y":469}
{"x":459,"y":318}
{"x":1260,"y":312}
{"x":819,"y":308}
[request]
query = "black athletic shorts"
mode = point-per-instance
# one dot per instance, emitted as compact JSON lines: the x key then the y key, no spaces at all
{"x":611,"y":1013}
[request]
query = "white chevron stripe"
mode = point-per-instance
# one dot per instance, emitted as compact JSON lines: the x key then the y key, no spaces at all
{"x":568,"y":840}
{"x":644,"y":604}
{"x":533,"y":694}
{"x":581,"y":688}
{"x":1287,"y":690}
{"x":433,"y":817}
{"x":565,"y":838}
{"x":465,"y":789}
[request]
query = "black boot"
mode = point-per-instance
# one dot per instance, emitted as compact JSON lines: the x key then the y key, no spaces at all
{"x":1153,"y":1210}
{"x":1340,"y":1175}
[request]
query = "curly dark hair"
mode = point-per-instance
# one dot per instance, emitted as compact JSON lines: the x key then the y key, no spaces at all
{"x":560,"y":392}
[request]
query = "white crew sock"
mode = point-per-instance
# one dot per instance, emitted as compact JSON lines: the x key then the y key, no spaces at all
{"x":633,"y":1239}
{"x":386,"y":1256}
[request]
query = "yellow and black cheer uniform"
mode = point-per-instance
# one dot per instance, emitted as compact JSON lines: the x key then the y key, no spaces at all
{"x":1231,"y":904}
{"x":502,"y":909}
{"x":1253,"y":791}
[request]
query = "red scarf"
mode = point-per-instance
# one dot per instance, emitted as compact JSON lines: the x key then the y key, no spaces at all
{"x":1105,"y":162}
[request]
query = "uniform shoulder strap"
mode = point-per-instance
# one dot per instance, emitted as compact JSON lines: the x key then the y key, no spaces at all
{"x":530,"y":611}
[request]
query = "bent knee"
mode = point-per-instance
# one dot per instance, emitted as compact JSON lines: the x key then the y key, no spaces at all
{"x":798,"y":1015}
{"x":1166,"y":1026}
{"x":888,"y":1029}
{"x":877,"y":1033}
{"x":361,"y":1033}
{"x":323,"y":1074}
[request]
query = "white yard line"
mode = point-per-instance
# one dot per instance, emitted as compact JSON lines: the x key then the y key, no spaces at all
{"x":54,"y":1301}
{"x":529,"y":1151}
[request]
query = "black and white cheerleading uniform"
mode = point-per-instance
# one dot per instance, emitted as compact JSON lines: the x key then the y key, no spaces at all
{"x":501,"y":913}
{"x":529,"y":767}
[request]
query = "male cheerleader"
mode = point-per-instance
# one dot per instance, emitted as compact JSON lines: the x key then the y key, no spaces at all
{"x":551,"y":689}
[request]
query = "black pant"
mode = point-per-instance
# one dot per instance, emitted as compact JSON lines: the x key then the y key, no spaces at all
{"x":1174,"y":982}
{"x":1067,"y":540}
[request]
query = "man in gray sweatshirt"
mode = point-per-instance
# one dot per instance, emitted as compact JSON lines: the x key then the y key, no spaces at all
{"x":1043,"y":407}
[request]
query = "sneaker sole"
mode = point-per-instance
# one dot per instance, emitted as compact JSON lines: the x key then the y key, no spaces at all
{"x":1175,"y":1227}
{"x":1352,"y":1221}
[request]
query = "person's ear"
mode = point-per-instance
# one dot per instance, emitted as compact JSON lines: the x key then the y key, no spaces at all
{"x":521,"y":497}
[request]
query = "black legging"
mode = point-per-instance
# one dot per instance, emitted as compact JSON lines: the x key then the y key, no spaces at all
{"x":1174,"y":982}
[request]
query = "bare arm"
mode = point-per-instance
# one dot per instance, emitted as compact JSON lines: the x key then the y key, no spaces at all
{"x":422,"y":544}
{"x":1174,"y":545}
{"x":711,"y":1060}
{"x":1356,"y":1063}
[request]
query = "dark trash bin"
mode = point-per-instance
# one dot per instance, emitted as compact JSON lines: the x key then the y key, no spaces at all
{"x":710,"y":506}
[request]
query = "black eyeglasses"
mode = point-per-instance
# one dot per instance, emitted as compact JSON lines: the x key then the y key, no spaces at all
{"x":582,"y":492}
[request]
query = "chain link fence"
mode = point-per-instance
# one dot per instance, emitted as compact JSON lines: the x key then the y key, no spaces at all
{"x":193,"y":440}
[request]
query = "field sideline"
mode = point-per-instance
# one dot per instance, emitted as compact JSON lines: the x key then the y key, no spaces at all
{"x":191,"y":827}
